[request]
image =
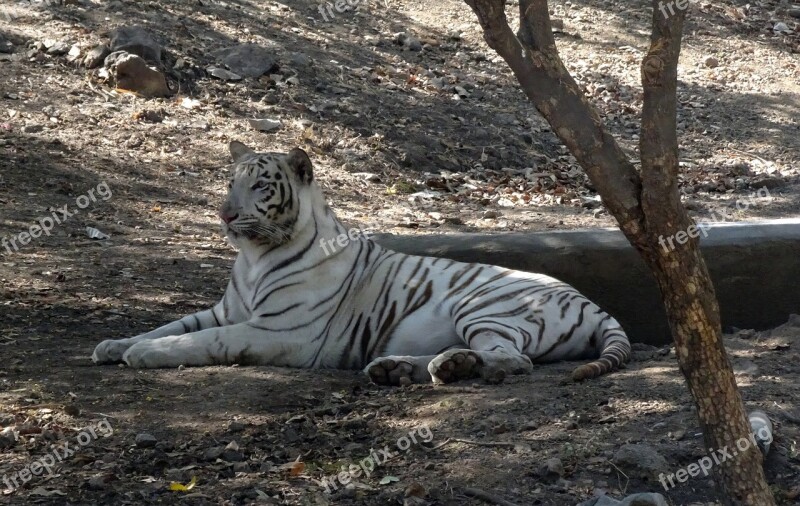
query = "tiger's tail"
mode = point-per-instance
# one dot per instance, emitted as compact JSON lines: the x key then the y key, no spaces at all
{"x":616,"y":351}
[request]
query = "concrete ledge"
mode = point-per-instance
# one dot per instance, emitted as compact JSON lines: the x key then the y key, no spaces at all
{"x":755,"y":268}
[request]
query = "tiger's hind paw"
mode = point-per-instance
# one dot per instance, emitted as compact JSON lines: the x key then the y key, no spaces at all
{"x":455,"y":365}
{"x":398,"y":371}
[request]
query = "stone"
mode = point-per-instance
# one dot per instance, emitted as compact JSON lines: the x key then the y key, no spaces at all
{"x":96,"y":56}
{"x":265,"y":125}
{"x":8,"y":438}
{"x":6,"y":46}
{"x":711,"y":62}
{"x":408,"y":41}
{"x":300,"y":59}
{"x":641,"y":461}
{"x":225,"y":75}
{"x":213,"y":454}
{"x":145,"y":440}
{"x":60,"y":48}
{"x":133,"y":74}
{"x":644,"y":499}
{"x":551,"y":470}
{"x":136,"y":40}
{"x":247,"y":60}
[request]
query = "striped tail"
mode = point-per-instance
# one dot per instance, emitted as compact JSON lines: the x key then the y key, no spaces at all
{"x":616,"y":351}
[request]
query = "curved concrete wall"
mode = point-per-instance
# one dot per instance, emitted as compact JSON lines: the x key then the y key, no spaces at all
{"x":755,"y":268}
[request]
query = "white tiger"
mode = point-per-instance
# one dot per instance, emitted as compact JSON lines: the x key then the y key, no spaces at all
{"x":404,"y":319}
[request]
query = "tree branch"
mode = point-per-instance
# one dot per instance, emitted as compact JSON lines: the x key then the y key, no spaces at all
{"x":556,"y":95}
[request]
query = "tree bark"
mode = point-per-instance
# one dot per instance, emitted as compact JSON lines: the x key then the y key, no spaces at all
{"x":647,"y":207}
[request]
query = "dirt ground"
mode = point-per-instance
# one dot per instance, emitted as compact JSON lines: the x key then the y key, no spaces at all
{"x":437,"y":140}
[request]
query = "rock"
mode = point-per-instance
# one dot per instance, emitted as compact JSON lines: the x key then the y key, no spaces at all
{"x":241,"y":467}
{"x":145,"y":440}
{"x":367,"y":177}
{"x":767,"y":182}
{"x":213,"y":453}
{"x":32,"y":128}
{"x":781,"y":27}
{"x":641,"y":461}
{"x":300,"y":59}
{"x":711,"y":62}
{"x":408,"y":41}
{"x":60,"y":48}
{"x":225,"y":75}
{"x":231,"y":453}
{"x":247,"y":60}
{"x":96,"y":56}
{"x":236,"y":426}
{"x":632,"y":500}
{"x":490,"y":215}
{"x":761,"y":428}
{"x":74,"y":53}
{"x":6,"y":46}
{"x":8,"y":438}
{"x":265,"y":125}
{"x":98,"y":482}
{"x":133,"y":74}
{"x":795,"y":13}
{"x":136,"y":40}
{"x":551,"y":470}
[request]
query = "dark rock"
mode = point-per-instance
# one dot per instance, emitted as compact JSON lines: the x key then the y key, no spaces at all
{"x":60,"y":48}
{"x":96,"y":56}
{"x":145,"y":440}
{"x":213,"y":453}
{"x":136,"y":40}
{"x":641,"y":461}
{"x":247,"y":60}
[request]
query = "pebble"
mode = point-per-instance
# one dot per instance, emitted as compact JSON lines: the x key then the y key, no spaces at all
{"x":641,"y":461}
{"x":265,"y":125}
{"x":552,"y":469}
{"x":145,"y":440}
{"x":632,"y":500}
{"x":95,"y":57}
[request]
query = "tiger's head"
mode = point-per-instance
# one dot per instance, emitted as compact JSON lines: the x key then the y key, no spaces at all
{"x":263,"y":205}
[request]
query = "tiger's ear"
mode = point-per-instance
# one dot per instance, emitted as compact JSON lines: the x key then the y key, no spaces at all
{"x":239,"y":151}
{"x":300,"y":164}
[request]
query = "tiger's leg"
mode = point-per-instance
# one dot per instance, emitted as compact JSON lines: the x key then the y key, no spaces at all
{"x":242,"y":343}
{"x":399,"y":370}
{"x":111,"y":350}
{"x":492,"y":355}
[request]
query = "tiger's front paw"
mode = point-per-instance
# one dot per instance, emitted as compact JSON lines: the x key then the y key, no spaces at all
{"x":170,"y":351}
{"x":110,"y":351}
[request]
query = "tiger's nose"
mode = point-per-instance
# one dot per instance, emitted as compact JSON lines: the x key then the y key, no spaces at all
{"x":226,"y":217}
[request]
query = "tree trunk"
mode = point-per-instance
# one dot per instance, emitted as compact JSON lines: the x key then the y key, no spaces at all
{"x":648,"y":209}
